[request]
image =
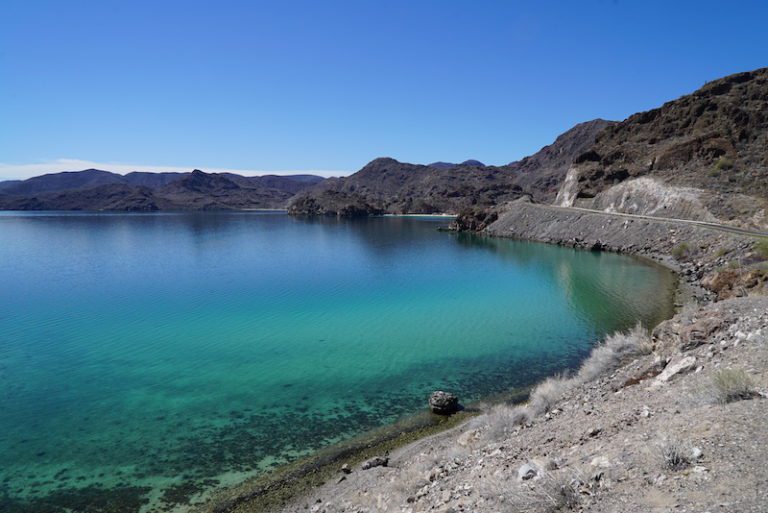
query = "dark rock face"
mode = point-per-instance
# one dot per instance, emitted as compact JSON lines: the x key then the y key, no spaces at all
{"x":542,"y":173}
{"x":388,"y":186}
{"x":473,"y":220}
{"x":145,"y":192}
{"x":714,"y":139}
{"x":443,"y":403}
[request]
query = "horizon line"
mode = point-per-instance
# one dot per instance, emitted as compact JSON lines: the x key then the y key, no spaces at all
{"x":62,"y":165}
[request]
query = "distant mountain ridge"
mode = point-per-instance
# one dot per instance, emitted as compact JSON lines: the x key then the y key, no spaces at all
{"x":449,"y":165}
{"x":702,"y":156}
{"x":387,"y":186}
{"x":94,"y":189}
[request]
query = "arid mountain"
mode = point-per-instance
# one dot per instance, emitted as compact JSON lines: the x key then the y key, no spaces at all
{"x":703,"y":156}
{"x":93,"y":189}
{"x":109,"y":197}
{"x":60,"y":182}
{"x":388,"y":186}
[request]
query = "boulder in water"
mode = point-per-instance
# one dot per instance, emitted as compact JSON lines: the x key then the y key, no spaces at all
{"x":443,"y":403}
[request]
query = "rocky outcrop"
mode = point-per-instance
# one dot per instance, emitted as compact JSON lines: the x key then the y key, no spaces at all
{"x":443,"y":403}
{"x":701,"y":156}
{"x":473,"y":220}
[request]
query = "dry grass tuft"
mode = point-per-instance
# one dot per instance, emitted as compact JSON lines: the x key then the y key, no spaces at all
{"x":548,"y":393}
{"x":501,"y":421}
{"x":554,"y":491}
{"x":614,"y":351}
{"x":675,"y":454}
{"x":729,"y":385}
{"x":558,"y":492}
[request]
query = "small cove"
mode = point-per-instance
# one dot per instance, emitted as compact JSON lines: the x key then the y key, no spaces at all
{"x":141,"y":352}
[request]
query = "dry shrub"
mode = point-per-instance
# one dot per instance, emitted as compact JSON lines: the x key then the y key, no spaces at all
{"x":729,"y":385}
{"x":552,"y":491}
{"x":614,"y":351}
{"x":501,"y":420}
{"x":548,"y":393}
{"x":675,"y":454}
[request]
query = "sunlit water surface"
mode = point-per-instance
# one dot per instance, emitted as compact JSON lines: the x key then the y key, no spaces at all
{"x":139,"y":352}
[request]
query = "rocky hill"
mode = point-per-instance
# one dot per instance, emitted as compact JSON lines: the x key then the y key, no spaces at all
{"x":703,"y":156}
{"x":94,"y":189}
{"x":388,"y":186}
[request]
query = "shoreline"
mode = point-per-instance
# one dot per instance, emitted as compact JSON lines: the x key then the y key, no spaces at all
{"x":294,"y":480}
{"x":686,"y":291}
{"x":306,"y":475}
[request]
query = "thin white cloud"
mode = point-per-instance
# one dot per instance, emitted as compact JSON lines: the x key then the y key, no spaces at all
{"x":22,"y":171}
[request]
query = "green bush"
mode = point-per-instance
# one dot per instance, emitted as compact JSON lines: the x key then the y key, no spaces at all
{"x":762,"y":248}
{"x":723,"y":164}
{"x":680,"y":251}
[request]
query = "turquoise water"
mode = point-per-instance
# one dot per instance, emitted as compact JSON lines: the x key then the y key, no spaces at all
{"x":142,"y":352}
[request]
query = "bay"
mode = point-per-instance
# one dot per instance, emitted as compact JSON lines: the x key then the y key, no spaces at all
{"x":142,"y":351}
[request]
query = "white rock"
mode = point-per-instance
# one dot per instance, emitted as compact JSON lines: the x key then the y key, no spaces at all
{"x":600,"y":462}
{"x":676,"y":366}
{"x":696,"y":453}
{"x":527,"y":471}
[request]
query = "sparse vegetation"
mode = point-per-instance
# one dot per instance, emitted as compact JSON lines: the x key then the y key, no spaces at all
{"x":723,"y":164}
{"x":761,"y":248}
{"x":548,"y":393}
{"x":729,"y":385}
{"x":501,"y":420}
{"x":615,"y":350}
{"x":682,"y":250}
{"x":557,"y":492}
{"x":675,"y":454}
{"x":550,"y":492}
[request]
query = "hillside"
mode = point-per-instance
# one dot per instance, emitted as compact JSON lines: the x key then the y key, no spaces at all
{"x":388,"y":186}
{"x":94,"y":189}
{"x":703,"y":156}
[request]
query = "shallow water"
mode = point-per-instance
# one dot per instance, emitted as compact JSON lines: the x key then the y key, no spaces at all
{"x":139,"y":352}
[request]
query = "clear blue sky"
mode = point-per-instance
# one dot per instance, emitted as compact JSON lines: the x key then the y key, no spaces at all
{"x":330,"y":85}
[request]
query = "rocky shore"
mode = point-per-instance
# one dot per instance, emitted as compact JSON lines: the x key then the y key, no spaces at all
{"x":660,"y":433}
{"x":672,"y":420}
{"x":712,"y":264}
